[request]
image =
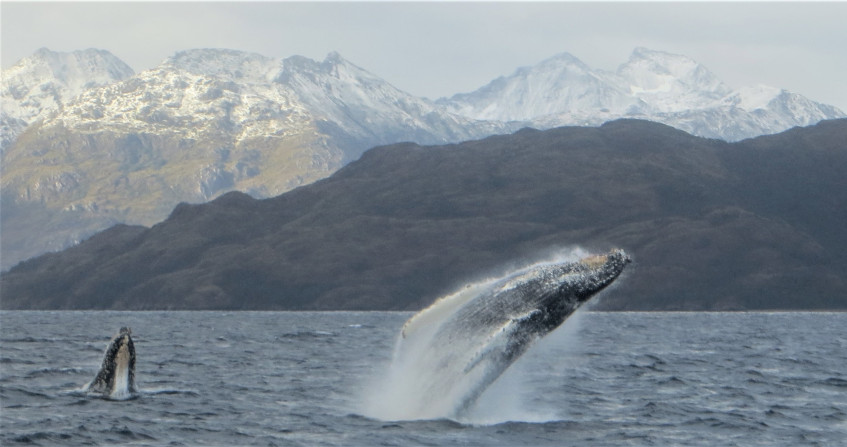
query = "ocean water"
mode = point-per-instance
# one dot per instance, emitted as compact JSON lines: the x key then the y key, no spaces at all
{"x":312,"y":379}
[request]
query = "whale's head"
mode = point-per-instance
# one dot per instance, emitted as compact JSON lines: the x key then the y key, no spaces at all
{"x":558,"y":289}
{"x":585,"y":278}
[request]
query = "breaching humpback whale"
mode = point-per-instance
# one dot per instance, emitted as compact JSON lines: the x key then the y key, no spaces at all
{"x":116,"y":378}
{"x":453,"y":350}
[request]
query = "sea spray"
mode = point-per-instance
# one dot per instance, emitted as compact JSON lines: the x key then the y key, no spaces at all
{"x":517,"y":396}
{"x":447,"y":355}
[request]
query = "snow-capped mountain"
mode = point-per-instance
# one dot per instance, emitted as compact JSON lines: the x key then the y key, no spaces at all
{"x":653,"y":85}
{"x":669,"y":82}
{"x":202,"y":123}
{"x":198,"y":93}
{"x":365,"y":110}
{"x":223,"y":97}
{"x":42,"y":83}
{"x":87,"y":143}
{"x":561,"y":84}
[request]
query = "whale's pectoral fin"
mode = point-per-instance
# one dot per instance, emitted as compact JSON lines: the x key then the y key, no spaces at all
{"x":99,"y":384}
{"x":503,"y":341}
{"x":102,"y":381}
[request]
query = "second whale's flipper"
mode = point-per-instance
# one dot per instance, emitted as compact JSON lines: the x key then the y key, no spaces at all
{"x":116,"y":378}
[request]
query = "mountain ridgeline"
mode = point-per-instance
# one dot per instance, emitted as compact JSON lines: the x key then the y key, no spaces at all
{"x":710,"y":225}
{"x":88,"y":143}
{"x":202,"y":123}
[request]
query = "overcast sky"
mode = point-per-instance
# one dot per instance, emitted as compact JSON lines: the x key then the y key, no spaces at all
{"x":436,"y":49}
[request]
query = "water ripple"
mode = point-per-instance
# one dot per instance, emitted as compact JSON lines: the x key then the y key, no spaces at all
{"x":299,"y":379}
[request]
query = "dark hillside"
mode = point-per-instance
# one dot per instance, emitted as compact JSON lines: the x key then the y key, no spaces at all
{"x":757,"y":224}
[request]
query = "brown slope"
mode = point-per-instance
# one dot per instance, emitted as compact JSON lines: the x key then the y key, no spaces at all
{"x":404,"y":224}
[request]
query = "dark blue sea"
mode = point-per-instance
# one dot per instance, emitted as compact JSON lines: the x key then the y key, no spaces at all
{"x":310,"y":379}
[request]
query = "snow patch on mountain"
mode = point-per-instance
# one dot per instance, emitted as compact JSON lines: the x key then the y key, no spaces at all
{"x":232,"y":64}
{"x":234,"y":96}
{"x":559,"y":85}
{"x":753,"y":97}
{"x":196,"y":94}
{"x":43,"y":83}
{"x":669,"y":82}
{"x":364,"y":109}
{"x":652,"y":85}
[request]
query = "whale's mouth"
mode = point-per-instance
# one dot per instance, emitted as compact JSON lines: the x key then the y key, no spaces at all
{"x":595,"y":261}
{"x":598,"y":261}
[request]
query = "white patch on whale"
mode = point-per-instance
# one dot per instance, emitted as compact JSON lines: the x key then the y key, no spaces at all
{"x":116,"y":378}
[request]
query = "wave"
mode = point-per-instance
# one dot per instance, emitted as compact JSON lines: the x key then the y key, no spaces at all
{"x":836,"y":382}
{"x":33,"y":340}
{"x":35,"y":438}
{"x":83,"y":391}
{"x":55,"y":371}
{"x":9,"y":392}
{"x":308,"y":334}
{"x":157,"y":391}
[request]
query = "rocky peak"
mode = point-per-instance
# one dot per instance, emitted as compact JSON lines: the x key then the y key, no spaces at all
{"x":233,"y":64}
{"x":43,"y":83}
{"x":669,"y":81}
